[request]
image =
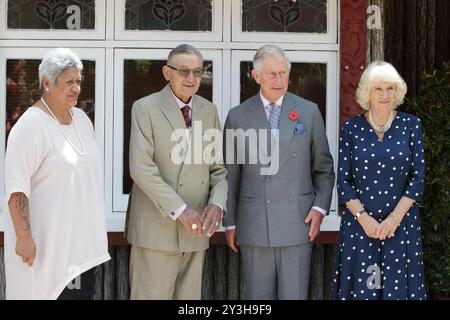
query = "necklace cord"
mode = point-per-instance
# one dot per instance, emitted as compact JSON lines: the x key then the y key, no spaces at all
{"x":83,"y":151}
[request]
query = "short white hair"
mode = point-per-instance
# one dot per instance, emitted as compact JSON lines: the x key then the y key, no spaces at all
{"x":55,"y":62}
{"x":379,"y":71}
{"x":269,"y":50}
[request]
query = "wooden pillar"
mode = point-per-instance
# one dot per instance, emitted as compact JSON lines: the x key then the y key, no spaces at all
{"x":375,"y":35}
{"x":442,"y":32}
{"x":416,"y":38}
{"x":431,"y":35}
{"x":353,"y":46}
{"x":410,"y":49}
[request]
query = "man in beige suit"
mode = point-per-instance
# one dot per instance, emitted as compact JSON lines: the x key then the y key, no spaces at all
{"x":174,"y":206}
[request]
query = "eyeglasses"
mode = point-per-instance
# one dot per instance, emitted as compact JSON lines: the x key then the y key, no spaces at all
{"x":197,"y":73}
{"x":273,"y":75}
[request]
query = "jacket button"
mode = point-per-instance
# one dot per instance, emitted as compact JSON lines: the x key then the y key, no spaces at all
{"x":289,"y":178}
{"x":268,"y":201}
{"x":294,"y":155}
{"x":290,"y":199}
{"x":267,"y":179}
{"x":180,"y":185}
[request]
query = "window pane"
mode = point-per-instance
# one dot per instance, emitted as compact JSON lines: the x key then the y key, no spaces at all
{"x":307,"y":80}
{"x":22,"y":89}
{"x":177,"y":15}
{"x":52,"y":14}
{"x":141,"y":78}
{"x":307,"y":16}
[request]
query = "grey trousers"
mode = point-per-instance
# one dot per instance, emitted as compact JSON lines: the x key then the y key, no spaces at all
{"x":271,"y":273}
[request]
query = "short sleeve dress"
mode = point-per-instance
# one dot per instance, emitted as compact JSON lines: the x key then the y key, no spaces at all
{"x":66,"y":201}
{"x":379,"y":173}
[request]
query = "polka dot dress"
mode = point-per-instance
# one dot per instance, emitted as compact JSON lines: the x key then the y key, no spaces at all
{"x":379,"y":173}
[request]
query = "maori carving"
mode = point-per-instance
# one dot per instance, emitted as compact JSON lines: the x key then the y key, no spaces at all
{"x":353,"y":45}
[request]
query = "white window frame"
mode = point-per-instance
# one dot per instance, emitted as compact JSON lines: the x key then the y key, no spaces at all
{"x":96,"y":54}
{"x":268,"y":37}
{"x":97,"y":33}
{"x":120,"y":200}
{"x":112,"y":45}
{"x":330,"y":58}
{"x":214,"y":35}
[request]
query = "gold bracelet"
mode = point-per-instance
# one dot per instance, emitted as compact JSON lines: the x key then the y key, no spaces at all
{"x":395,"y":218}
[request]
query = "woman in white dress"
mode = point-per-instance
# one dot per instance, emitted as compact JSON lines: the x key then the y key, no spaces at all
{"x":54,"y":190}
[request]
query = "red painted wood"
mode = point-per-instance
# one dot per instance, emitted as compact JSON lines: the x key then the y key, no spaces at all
{"x":353,"y":47}
{"x":325,"y":237}
{"x":117,"y":239}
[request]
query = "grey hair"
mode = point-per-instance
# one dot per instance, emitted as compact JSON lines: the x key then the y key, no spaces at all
{"x":55,"y":62}
{"x":183,"y":49}
{"x":379,"y":71}
{"x":266,"y":51}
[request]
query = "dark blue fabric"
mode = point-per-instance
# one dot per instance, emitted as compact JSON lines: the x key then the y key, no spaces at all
{"x":379,"y":173}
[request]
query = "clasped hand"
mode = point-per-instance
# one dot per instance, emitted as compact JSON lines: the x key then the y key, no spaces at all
{"x":196,"y":224}
{"x":378,"y":230}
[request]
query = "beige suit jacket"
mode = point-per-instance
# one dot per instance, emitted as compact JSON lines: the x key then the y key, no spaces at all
{"x":160,"y":185}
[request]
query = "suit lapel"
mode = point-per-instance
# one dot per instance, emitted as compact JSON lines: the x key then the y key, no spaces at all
{"x":171,"y":111}
{"x":256,"y":117}
{"x":287,"y":126}
{"x":197,"y":106}
{"x":256,"y":114}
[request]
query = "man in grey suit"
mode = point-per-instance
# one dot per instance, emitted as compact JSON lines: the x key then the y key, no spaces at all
{"x":273,"y":217}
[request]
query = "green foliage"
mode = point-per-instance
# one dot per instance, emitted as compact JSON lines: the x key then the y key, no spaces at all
{"x":432,"y":106}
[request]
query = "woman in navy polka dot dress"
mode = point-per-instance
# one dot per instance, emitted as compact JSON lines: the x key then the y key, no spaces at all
{"x":380,"y":180}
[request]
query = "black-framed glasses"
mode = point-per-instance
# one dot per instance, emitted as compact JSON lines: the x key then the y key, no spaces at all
{"x":197,"y":73}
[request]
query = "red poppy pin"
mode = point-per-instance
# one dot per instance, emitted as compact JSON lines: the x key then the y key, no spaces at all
{"x":293,"y":115}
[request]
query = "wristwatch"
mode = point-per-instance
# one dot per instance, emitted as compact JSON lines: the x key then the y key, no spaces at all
{"x":359,"y":213}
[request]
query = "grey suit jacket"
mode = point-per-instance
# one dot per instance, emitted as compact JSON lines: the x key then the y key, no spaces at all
{"x":160,"y":185}
{"x":269,"y":210}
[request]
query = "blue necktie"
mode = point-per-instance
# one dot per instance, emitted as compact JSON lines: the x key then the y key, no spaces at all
{"x":274,"y":118}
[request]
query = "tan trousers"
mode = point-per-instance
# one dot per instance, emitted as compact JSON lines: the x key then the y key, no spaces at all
{"x":161,"y":275}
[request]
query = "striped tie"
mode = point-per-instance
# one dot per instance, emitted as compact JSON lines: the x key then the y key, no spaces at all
{"x":274,"y":118}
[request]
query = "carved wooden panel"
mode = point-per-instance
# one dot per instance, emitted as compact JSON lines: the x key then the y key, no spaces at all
{"x":353,"y":46}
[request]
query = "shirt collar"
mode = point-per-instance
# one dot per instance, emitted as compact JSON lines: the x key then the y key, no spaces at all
{"x":266,"y":102}
{"x":180,"y":103}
